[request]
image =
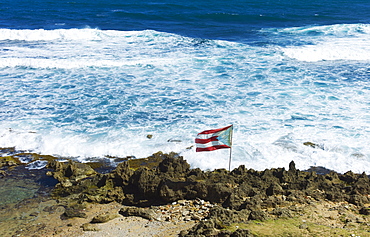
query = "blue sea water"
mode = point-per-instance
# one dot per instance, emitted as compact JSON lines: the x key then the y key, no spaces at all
{"x":87,"y":79}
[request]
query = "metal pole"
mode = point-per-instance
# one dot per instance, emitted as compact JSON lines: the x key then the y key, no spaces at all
{"x":231,"y":145}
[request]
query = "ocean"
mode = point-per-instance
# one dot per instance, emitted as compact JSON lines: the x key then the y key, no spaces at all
{"x":94,"y":79}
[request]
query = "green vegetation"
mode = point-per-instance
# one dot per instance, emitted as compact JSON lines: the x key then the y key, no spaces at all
{"x":295,"y":227}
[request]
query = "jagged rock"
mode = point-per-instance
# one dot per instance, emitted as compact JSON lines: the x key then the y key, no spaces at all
{"x":219,"y":218}
{"x":170,"y":191}
{"x":218,"y":192}
{"x":235,"y":201}
{"x":319,"y":170}
{"x":292,"y":167}
{"x":196,"y":175}
{"x":224,"y":233}
{"x":243,"y":194}
{"x":348,"y":177}
{"x":282,"y":213}
{"x":274,"y":189}
{"x":272,"y":201}
{"x":173,"y":180}
{"x":69,"y":173}
{"x":122,"y":174}
{"x":202,"y":229}
{"x":174,"y":167}
{"x":257,"y":215}
{"x":224,"y":217}
{"x":241,"y":233}
{"x":358,"y":200}
{"x":365,"y":211}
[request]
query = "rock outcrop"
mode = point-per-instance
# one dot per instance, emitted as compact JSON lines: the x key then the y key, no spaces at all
{"x":241,"y":195}
{"x":173,"y":180}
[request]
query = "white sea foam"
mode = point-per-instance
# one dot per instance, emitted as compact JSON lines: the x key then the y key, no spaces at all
{"x":339,"y":30}
{"x":259,"y":151}
{"x":334,"y":42}
{"x":333,"y":49}
{"x":52,"y":35}
{"x":76,"y":48}
{"x":36,"y":165}
{"x":89,"y":93}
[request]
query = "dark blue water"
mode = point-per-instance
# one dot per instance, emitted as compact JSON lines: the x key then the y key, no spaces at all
{"x":230,"y":20}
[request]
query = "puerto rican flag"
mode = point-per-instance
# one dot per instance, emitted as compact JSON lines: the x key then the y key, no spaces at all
{"x":214,"y":139}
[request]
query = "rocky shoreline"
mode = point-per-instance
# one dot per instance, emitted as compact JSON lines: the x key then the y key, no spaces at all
{"x":244,"y":202}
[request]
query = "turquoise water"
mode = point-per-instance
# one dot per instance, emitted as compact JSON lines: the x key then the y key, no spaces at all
{"x":86,"y":80}
{"x":21,"y":184}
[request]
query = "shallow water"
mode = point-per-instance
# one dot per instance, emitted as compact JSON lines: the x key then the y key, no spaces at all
{"x":24,"y":194}
{"x":19,"y":184}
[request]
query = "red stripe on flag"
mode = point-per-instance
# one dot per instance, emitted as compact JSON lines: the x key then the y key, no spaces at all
{"x":212,"y":148}
{"x":204,"y":141}
{"x":215,"y":130}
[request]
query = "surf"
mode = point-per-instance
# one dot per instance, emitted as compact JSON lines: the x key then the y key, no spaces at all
{"x":91,"y":93}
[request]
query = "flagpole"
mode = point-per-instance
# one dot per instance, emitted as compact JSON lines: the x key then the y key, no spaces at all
{"x":231,"y":145}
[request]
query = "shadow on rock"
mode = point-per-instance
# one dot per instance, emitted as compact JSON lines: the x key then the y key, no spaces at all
{"x":242,"y":195}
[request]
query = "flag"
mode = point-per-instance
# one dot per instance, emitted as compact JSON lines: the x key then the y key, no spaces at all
{"x":214,"y":139}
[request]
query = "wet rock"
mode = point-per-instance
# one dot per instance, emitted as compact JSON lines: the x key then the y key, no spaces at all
{"x":313,"y":145}
{"x":319,"y":170}
{"x":173,"y":140}
{"x":8,"y":161}
{"x":69,"y":173}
